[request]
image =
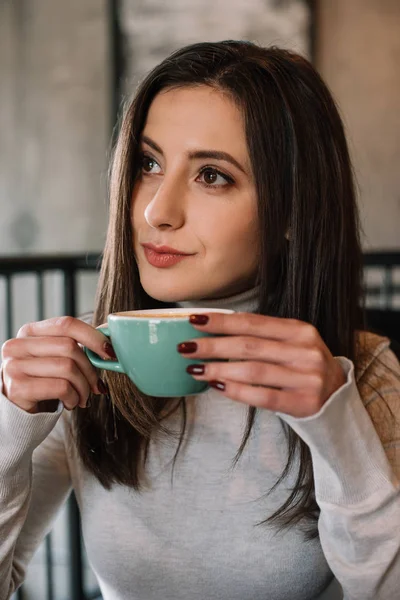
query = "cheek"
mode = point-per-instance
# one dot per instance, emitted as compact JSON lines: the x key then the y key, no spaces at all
{"x":232,"y":236}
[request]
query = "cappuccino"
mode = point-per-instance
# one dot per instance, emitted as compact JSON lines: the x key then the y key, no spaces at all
{"x":167,"y":313}
{"x":154,"y":315}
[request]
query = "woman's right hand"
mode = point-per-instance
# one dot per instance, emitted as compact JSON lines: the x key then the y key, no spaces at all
{"x":45,"y":362}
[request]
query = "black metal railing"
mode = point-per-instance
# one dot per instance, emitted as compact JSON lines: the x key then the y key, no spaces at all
{"x":383,"y":315}
{"x":382,"y":294}
{"x":69,"y":267}
{"x":387,"y":290}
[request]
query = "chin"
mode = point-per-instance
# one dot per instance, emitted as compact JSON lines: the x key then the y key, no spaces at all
{"x":173,"y":292}
{"x":166,"y":293}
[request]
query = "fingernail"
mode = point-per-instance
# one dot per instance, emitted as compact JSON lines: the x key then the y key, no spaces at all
{"x":199,"y":319}
{"x":218,"y":385}
{"x":187,"y":347}
{"x":101,"y":386}
{"x":195,"y":369}
{"x":109,"y":350}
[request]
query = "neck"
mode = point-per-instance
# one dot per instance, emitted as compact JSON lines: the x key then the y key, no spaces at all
{"x":244,"y":302}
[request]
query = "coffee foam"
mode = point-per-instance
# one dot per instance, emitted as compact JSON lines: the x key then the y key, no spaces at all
{"x":172,"y":313}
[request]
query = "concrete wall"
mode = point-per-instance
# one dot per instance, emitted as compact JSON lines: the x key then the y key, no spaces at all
{"x":154,"y":28}
{"x":55,"y":100}
{"x":358,"y":53}
{"x":55,"y":91}
{"x":54,"y":123}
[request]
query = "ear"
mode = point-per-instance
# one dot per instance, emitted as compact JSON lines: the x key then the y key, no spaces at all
{"x":287,"y":234}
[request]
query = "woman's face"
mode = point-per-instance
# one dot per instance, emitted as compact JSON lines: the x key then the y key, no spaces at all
{"x":196,"y":195}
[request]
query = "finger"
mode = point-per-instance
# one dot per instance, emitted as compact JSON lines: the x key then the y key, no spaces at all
{"x":255,"y":373}
{"x":39,"y":347}
{"x":54,"y":367}
{"x":255,"y":348}
{"x":81,"y":332}
{"x":283,"y":401}
{"x":263,"y":326}
{"x":26,"y":392}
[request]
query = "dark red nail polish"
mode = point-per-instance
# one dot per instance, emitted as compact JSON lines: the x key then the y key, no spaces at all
{"x":109,"y":350}
{"x":103,"y":389}
{"x":218,"y":385}
{"x":195,"y":369}
{"x":187,"y":347}
{"x":199,"y":319}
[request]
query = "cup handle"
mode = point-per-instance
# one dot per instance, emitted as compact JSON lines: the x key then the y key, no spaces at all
{"x":108,"y":365}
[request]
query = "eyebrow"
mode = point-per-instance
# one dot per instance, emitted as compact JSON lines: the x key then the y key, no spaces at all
{"x":199,"y":154}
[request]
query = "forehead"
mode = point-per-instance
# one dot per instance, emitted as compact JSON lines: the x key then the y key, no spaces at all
{"x":201,"y":117}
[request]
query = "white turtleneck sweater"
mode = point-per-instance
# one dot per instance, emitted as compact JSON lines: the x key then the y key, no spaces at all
{"x":196,"y":537}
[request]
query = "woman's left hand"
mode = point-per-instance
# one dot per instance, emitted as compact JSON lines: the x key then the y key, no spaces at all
{"x":274,"y":363}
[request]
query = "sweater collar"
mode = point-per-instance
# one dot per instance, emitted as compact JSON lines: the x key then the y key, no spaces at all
{"x":243,"y":302}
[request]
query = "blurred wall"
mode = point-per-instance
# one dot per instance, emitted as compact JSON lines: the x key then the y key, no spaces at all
{"x":358,"y":53}
{"x":154,"y":28}
{"x":55,"y":100}
{"x":55,"y":125}
{"x":55,"y":113}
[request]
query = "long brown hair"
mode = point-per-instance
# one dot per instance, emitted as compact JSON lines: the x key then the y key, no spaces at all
{"x":304,"y":185}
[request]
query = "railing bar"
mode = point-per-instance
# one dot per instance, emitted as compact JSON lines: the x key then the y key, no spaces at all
{"x":9,"y":307}
{"x":20,"y":594}
{"x":379,"y":259}
{"x":40,"y":295}
{"x":10,"y":265}
{"x":388,"y":287}
{"x":93,"y":594}
{"x":49,"y":567}
{"x":69,"y":293}
{"x":377,"y":289}
{"x":75,"y":549}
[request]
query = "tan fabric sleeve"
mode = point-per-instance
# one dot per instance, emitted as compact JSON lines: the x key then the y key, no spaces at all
{"x":378,"y":382}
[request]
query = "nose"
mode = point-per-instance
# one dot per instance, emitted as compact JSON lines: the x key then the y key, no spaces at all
{"x":166,"y":209}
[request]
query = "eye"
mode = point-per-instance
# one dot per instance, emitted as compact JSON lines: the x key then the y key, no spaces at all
{"x":149,"y":165}
{"x":214,"y":178}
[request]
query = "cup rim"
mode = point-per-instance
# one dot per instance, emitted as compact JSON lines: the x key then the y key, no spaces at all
{"x":128,"y":314}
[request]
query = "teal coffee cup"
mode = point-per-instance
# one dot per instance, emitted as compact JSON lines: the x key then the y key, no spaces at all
{"x":145,"y":342}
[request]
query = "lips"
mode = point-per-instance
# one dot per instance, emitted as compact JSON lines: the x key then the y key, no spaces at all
{"x":163,"y":256}
{"x":164,"y":249}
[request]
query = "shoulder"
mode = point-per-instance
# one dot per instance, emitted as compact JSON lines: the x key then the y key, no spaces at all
{"x":378,"y":382}
{"x":369,"y":348}
{"x":378,"y":368}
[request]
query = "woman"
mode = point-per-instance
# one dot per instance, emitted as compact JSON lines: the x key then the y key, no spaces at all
{"x":284,"y":477}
